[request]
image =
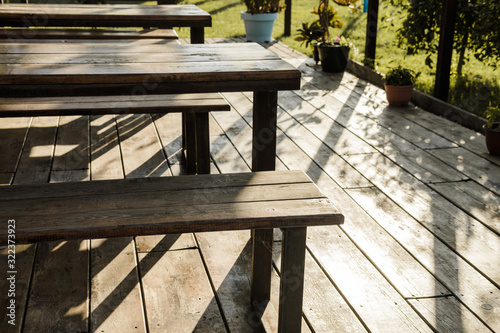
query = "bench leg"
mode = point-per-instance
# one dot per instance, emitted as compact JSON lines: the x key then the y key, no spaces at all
{"x":189,"y":124}
{"x":202,"y":143}
{"x":293,"y":253}
{"x":197,"y":35}
{"x":262,"y":242}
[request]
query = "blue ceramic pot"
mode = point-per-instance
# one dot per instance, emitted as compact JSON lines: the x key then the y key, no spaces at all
{"x":259,"y":27}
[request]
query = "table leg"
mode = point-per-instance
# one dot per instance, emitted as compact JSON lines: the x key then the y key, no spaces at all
{"x":293,"y":251}
{"x":265,"y":106}
{"x":263,"y":159}
{"x":189,"y":125}
{"x":202,"y":143}
{"x":197,"y":35}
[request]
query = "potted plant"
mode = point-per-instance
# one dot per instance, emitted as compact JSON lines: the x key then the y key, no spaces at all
{"x":259,"y":18}
{"x":310,"y":34}
{"x":492,"y":130}
{"x":333,"y":54}
{"x":399,"y":85}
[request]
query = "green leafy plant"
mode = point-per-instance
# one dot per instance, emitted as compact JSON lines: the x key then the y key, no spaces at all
{"x":400,"y":76}
{"x":492,"y":114}
{"x":264,"y":6}
{"x":319,"y":29}
{"x":309,"y":33}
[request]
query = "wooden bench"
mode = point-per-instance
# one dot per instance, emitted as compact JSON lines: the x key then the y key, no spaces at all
{"x":115,"y":208}
{"x":163,"y":17}
{"x":95,"y":34}
{"x":194,"y":107}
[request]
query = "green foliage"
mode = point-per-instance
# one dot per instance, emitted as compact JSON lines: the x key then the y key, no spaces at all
{"x":492,"y":114}
{"x":476,"y":29}
{"x":475,"y":93}
{"x":485,"y":37}
{"x":319,"y":29}
{"x":309,"y":33}
{"x":264,"y":6}
{"x":400,"y":76}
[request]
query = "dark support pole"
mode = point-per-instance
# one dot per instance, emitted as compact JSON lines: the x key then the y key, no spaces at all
{"x":265,"y":107}
{"x":371,"y":33}
{"x":197,"y":35}
{"x":288,"y":17}
{"x":445,"y":49}
{"x":293,"y":254}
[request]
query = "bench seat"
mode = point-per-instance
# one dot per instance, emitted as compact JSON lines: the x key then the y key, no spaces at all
{"x":131,"y":207}
{"x":114,"y":104}
{"x":194,"y":107}
{"x":145,"y":206}
{"x":107,"y":34}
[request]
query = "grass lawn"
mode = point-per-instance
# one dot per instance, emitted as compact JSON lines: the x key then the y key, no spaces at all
{"x":480,"y":87}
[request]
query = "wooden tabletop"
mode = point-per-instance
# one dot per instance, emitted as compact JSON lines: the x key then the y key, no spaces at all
{"x":67,"y":15}
{"x":81,"y":68}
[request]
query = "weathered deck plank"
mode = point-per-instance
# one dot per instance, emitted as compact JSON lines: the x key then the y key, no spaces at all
{"x":473,"y":198}
{"x":464,"y":281}
{"x":177,"y":293}
{"x":116,"y":302}
{"x":13,"y":133}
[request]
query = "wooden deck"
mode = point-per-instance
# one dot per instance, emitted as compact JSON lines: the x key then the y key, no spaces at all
{"x":420,"y":249}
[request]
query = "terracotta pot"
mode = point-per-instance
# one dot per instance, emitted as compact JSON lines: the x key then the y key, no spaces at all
{"x":492,"y":138}
{"x":398,"y":95}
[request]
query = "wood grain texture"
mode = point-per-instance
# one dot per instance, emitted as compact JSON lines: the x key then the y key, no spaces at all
{"x":220,"y":206}
{"x":23,"y":33}
{"x":72,"y":144}
{"x":12,"y":134}
{"x":447,"y":314}
{"x":191,"y":68}
{"x":115,"y":294}
{"x":161,"y":16}
{"x":59,"y":296}
{"x":177,"y":293}
{"x":105,"y":154}
{"x":38,"y":152}
{"x":101,"y":105}
{"x":468,"y":284}
{"x":482,"y":204}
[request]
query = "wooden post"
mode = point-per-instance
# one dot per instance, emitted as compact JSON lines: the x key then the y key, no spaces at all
{"x":197,"y":35}
{"x":371,"y":33}
{"x":262,"y":264}
{"x":288,"y":17}
{"x":202,"y":144}
{"x":263,"y":159}
{"x":189,"y":139}
{"x":293,"y":254}
{"x":445,"y":49}
{"x":264,"y":130}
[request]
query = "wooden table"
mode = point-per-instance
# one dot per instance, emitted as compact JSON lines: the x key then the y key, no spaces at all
{"x":33,"y":69}
{"x":70,"y":15}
